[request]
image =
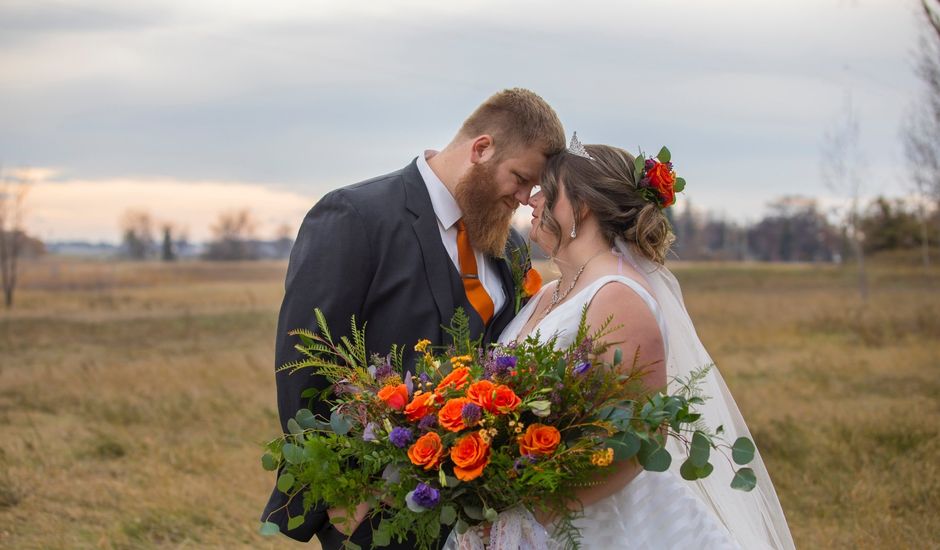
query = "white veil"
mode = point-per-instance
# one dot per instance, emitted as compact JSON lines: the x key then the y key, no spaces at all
{"x":754,"y":518}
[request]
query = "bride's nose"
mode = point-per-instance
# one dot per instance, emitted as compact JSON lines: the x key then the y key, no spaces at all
{"x":536,"y":197}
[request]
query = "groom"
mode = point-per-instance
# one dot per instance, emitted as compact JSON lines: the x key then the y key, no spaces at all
{"x":404,"y":250}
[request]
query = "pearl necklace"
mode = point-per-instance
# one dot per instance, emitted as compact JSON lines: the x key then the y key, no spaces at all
{"x":556,"y":299}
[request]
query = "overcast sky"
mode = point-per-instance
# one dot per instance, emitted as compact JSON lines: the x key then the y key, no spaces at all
{"x":189,"y":107}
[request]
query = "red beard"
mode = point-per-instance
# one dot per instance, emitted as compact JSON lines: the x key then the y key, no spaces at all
{"x":485,"y":214}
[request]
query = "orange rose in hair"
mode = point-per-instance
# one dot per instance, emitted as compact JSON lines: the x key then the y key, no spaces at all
{"x":457,"y":378}
{"x":532,"y":282}
{"x":504,"y":399}
{"x":481,"y":393}
{"x":394,"y":396}
{"x":539,"y":439}
{"x":426,"y":451}
{"x":663,"y":180}
{"x":470,"y":455}
{"x":421,"y":405}
{"x":450,"y":416}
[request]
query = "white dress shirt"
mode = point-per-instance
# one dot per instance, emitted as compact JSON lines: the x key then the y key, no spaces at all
{"x":448,"y":212}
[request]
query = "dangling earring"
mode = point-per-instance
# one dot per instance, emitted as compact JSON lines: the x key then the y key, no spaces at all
{"x":574,"y":230}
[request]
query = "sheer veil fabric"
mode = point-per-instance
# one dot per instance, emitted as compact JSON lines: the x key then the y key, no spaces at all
{"x":755,"y":519}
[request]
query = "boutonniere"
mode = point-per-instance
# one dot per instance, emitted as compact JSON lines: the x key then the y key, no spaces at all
{"x":526,"y":279}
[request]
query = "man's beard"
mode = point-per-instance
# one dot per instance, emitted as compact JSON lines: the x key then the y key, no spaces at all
{"x":485,"y":215}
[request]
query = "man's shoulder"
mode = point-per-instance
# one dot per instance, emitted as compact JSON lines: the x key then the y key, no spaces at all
{"x":378,"y":192}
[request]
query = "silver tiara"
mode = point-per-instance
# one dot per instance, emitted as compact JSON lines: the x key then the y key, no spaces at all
{"x":576,"y":148}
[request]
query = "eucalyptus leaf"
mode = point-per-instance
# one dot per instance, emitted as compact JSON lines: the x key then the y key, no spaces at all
{"x":679,"y":185}
{"x":285,"y":482}
{"x":700,"y":450}
{"x":294,"y":427}
{"x":742,"y":452}
{"x":306,"y":419}
{"x":461,"y":527}
{"x":295,"y":522}
{"x":692,"y":472}
{"x":664,"y":155}
{"x":268,"y":462}
{"x":448,"y":514}
{"x":381,"y":537}
{"x":292,"y":453}
{"x":350,"y":545}
{"x":473,"y":512}
{"x":618,"y":356}
{"x":744,"y":480}
{"x":658,"y":461}
{"x":625,"y":445}
{"x":339,"y":423}
{"x":269,"y":528}
{"x":490,"y":515}
{"x":639,"y":164}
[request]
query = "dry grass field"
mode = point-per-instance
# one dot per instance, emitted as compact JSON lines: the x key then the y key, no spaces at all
{"x":134,"y":398}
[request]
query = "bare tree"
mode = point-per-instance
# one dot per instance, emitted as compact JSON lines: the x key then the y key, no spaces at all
{"x":284,"y":240}
{"x":841,"y":167}
{"x":137,"y":234}
{"x":233,"y":236}
{"x":921,"y":132}
{"x":13,"y":191}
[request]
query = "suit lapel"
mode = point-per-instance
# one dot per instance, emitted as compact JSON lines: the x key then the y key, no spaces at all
{"x":436,"y":262}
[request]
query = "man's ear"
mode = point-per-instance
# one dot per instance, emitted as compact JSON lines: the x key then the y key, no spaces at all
{"x":482,"y":149}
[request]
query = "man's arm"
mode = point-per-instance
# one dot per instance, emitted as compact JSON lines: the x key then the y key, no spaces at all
{"x":331,"y":267}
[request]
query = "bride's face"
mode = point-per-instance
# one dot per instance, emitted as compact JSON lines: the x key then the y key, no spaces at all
{"x":562,"y":214}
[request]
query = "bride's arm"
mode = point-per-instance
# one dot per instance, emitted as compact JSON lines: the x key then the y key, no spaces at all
{"x":638,"y":330}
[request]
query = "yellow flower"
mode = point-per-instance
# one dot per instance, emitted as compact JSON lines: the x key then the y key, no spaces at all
{"x":422,"y":345}
{"x":602,"y":458}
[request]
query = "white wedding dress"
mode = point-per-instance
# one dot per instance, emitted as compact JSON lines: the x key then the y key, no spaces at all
{"x":662,"y":510}
{"x":658,"y":511}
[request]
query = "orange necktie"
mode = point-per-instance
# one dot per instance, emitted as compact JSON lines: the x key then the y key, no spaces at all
{"x":477,"y":295}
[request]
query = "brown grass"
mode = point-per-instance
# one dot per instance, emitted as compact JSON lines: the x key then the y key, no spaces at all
{"x":133,"y":399}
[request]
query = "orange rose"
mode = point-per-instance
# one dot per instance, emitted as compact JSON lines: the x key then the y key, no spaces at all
{"x":532,"y":282}
{"x":422,"y":405}
{"x":663,"y":180}
{"x":470,"y":456}
{"x":504,"y":399}
{"x":481,"y":393}
{"x":539,"y":439}
{"x":450,"y":416}
{"x":457,"y":378}
{"x":394,"y":396}
{"x":426,"y":451}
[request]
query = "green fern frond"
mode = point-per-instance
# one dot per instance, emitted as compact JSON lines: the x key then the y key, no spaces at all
{"x":323,"y":325}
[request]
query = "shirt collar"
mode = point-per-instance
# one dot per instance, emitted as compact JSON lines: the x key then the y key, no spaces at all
{"x":445,"y":206}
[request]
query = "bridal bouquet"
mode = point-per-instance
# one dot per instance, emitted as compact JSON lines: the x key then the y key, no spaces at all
{"x":472,"y":433}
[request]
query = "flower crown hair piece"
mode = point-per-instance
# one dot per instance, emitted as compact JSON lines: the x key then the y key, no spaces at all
{"x":656,"y":180}
{"x":576,"y":148}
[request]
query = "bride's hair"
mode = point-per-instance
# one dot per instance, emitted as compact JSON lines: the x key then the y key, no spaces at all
{"x":605,"y":186}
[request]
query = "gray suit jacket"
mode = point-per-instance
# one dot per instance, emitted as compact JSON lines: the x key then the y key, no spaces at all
{"x":372,"y":250}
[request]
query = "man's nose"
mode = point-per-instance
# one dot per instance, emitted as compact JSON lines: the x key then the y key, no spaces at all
{"x":524,"y":194}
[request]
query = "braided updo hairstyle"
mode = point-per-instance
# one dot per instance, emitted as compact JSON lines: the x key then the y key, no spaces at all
{"x":605,"y":186}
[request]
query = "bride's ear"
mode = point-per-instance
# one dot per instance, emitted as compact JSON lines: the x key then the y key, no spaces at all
{"x":481,"y":149}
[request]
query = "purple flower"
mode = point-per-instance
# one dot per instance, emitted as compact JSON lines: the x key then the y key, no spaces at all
{"x":471,"y":414}
{"x":581,"y":368}
{"x":424,"y":378}
{"x":428,"y":423}
{"x":506,"y":362}
{"x":368,"y":434}
{"x":522,"y":461}
{"x":382,"y":372}
{"x":400,"y":437}
{"x":426,"y":496}
{"x":650,"y":163}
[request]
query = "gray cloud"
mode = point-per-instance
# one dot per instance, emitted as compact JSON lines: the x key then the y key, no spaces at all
{"x":311,"y":100}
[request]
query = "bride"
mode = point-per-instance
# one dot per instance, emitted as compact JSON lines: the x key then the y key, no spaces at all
{"x":609,"y":237}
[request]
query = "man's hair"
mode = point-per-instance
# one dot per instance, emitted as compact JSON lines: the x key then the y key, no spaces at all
{"x":517,"y":119}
